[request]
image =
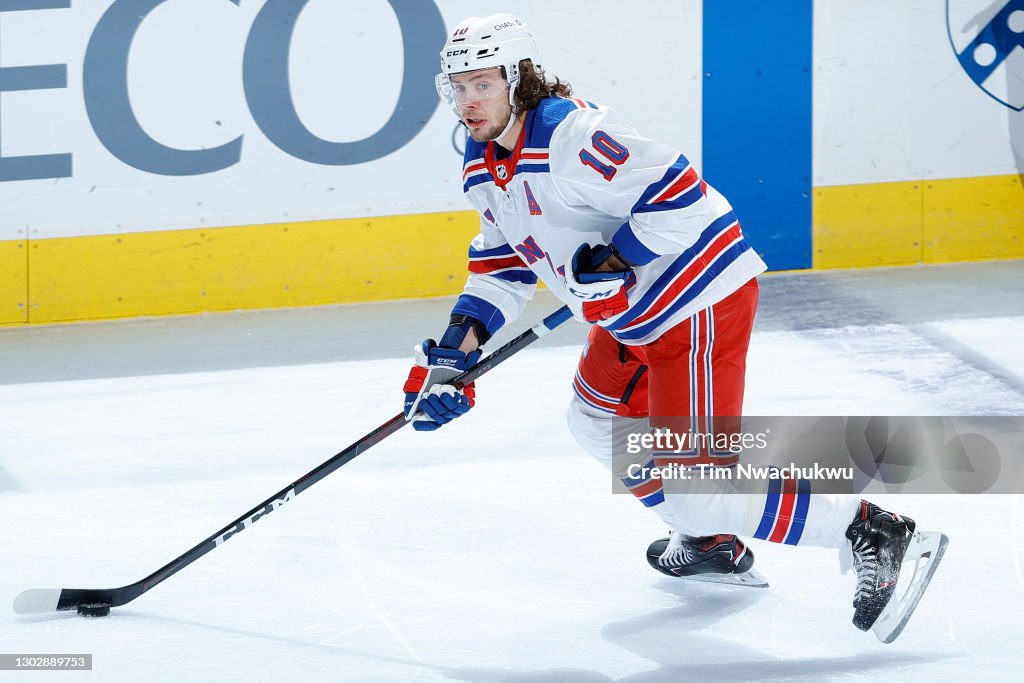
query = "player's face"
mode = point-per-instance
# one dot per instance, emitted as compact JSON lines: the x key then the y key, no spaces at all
{"x":481,"y":98}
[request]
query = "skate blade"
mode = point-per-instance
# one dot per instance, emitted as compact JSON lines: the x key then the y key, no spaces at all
{"x":750,"y":579}
{"x":925,"y":553}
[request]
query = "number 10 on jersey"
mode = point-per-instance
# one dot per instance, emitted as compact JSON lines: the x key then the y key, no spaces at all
{"x":610,"y":149}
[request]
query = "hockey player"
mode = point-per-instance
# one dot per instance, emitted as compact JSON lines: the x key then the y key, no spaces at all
{"x":624,"y":231}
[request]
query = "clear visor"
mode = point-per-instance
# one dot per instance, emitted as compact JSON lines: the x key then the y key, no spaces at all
{"x":471,"y":87}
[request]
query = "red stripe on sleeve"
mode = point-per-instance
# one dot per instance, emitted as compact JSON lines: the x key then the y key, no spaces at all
{"x":681,"y":183}
{"x":685,"y":278}
{"x":484,"y":266}
{"x":647,"y":488}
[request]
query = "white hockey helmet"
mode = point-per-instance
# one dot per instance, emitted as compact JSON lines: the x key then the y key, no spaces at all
{"x":482,"y":43}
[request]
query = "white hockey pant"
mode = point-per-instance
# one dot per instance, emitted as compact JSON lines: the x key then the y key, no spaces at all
{"x":827,"y":516}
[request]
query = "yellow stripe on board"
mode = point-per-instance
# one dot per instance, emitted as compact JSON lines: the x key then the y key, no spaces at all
{"x":13,"y":282}
{"x":973,"y":218}
{"x":372,"y":259}
{"x":258,"y":266}
{"x":932,"y":221}
{"x":867,"y":225}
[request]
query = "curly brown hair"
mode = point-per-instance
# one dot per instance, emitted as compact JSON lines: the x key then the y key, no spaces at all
{"x":534,"y":86}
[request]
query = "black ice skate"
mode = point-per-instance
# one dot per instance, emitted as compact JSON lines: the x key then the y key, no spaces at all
{"x":882,"y":544}
{"x":717,"y":559}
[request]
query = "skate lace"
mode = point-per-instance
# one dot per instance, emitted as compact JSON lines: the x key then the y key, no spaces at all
{"x":677,"y":552}
{"x":865,"y":563}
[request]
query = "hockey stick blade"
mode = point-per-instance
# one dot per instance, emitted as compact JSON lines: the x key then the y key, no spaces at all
{"x":48,"y":600}
{"x":37,"y":601}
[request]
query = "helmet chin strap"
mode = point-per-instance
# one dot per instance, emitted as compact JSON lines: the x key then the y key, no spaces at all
{"x":508,"y":126}
{"x":512,"y":75}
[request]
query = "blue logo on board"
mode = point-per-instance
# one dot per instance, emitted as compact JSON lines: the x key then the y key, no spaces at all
{"x":988,"y":39}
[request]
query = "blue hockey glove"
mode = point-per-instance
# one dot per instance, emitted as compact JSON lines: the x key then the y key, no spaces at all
{"x":430,"y":401}
{"x":603,"y":293}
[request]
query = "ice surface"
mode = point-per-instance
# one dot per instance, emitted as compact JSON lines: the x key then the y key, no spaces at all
{"x":489,"y":551}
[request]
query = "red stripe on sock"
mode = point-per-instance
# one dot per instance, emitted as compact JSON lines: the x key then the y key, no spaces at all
{"x":785,"y":518}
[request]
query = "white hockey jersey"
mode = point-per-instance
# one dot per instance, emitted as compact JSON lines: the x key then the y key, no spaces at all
{"x":581,"y":174}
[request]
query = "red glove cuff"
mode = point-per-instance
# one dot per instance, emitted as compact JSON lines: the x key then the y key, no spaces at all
{"x":414,"y":383}
{"x":603,"y":309}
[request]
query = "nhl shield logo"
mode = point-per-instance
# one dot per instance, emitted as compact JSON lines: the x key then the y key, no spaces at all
{"x":988,"y":39}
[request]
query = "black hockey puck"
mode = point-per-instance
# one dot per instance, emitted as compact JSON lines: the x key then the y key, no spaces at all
{"x":94,"y":609}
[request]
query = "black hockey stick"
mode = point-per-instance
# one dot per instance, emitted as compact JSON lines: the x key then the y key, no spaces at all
{"x":97,"y":602}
